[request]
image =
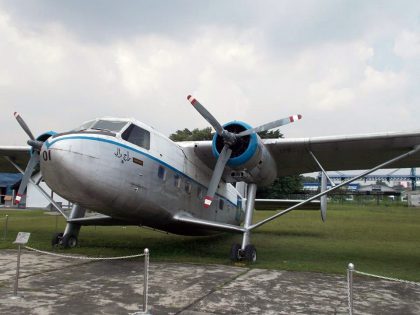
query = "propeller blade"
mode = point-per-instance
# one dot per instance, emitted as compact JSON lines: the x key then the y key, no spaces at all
{"x":206,"y":114}
{"x":217,"y":175}
{"x":270,"y":125}
{"x":33,"y":162}
{"x":24,"y":126}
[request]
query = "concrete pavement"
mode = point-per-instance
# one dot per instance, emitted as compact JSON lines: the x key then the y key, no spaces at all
{"x":52,"y":285}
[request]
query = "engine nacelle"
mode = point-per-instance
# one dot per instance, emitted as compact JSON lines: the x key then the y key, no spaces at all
{"x":250,"y":161}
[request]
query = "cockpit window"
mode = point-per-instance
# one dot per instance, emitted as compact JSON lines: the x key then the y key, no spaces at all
{"x":137,"y":136}
{"x":109,"y":125}
{"x":106,"y":125}
{"x":85,"y":126}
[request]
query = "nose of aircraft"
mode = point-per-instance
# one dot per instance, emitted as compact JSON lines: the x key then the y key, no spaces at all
{"x":64,"y":168}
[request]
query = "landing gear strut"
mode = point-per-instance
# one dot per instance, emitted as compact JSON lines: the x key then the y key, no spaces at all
{"x":69,"y":238}
{"x":246,"y":251}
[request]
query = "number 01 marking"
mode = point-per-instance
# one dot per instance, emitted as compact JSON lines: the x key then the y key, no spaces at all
{"x":46,"y":155}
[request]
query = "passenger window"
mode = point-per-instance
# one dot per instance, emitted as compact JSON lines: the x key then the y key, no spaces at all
{"x":177,"y":181}
{"x":188,"y":187}
{"x":221,"y":204}
{"x":137,"y":136}
{"x":161,"y":172}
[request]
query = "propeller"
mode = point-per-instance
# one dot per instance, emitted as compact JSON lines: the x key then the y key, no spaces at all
{"x":33,"y":161}
{"x":229,"y":139}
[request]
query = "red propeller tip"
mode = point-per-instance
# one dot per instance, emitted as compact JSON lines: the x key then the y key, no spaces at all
{"x":15,"y":114}
{"x":17,"y":199}
{"x":191,"y":99}
{"x":207,"y":201}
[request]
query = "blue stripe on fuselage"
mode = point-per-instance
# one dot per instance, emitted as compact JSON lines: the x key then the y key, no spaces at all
{"x":49,"y":144}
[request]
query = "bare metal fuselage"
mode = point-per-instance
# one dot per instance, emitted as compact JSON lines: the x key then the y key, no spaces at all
{"x":128,"y":183}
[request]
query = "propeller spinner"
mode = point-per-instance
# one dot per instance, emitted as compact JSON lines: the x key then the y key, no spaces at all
{"x":229,"y":140}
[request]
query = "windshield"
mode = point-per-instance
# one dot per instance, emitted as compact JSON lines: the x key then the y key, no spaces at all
{"x":109,"y":125}
{"x":85,"y":126}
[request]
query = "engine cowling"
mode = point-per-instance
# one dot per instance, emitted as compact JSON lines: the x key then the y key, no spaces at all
{"x":250,"y":160}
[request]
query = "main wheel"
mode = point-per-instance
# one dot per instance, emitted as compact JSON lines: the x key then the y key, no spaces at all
{"x":250,"y":253}
{"x":56,"y":239}
{"x":69,"y":241}
{"x":234,"y":252}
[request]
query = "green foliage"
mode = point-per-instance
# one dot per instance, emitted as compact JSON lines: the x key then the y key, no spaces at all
{"x":271,"y":134}
{"x":194,"y":135}
{"x":206,"y":134}
{"x":281,"y":188}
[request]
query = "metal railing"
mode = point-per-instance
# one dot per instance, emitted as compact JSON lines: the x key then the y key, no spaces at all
{"x":145,"y":254}
{"x":351,"y":270}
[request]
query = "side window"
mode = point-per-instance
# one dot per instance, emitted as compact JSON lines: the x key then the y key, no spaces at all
{"x":177,"y":181}
{"x":161,"y":172}
{"x":188,"y":187}
{"x":221,"y":204}
{"x":137,"y":136}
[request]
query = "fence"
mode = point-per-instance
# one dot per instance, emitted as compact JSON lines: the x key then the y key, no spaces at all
{"x":351,"y":270}
{"x":145,"y":254}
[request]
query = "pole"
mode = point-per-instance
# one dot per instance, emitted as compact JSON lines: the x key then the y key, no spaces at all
{"x":350,"y":270}
{"x":15,"y":288}
{"x":146,"y":279}
{"x":56,"y":222}
{"x":6,"y":222}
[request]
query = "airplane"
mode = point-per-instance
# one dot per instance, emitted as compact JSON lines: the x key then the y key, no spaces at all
{"x":130,"y":174}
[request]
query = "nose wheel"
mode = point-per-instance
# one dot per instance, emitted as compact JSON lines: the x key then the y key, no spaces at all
{"x":66,"y":241}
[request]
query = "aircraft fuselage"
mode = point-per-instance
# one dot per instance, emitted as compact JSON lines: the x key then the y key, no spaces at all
{"x":101,"y":171}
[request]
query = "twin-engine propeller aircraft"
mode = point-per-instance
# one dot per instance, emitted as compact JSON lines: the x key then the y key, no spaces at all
{"x":133,"y":175}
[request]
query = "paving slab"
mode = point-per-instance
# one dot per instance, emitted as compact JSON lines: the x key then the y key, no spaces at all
{"x":52,"y":285}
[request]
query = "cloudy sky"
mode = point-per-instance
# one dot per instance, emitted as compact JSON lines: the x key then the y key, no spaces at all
{"x":346,"y":66}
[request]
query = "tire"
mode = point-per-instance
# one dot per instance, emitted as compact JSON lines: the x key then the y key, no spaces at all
{"x":56,"y":239}
{"x":234,"y":252}
{"x":250,"y":253}
{"x":69,"y":241}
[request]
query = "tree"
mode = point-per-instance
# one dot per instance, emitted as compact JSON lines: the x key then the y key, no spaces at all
{"x":195,"y":135}
{"x":281,"y":188}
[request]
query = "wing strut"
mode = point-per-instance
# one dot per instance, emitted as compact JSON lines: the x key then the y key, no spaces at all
{"x":402,"y":156}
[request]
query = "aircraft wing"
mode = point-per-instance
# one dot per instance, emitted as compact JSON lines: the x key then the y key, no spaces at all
{"x":349,"y":152}
{"x":353,"y":152}
{"x":18,"y":154}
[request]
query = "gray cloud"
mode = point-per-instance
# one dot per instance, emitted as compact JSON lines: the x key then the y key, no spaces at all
{"x":347,"y":66}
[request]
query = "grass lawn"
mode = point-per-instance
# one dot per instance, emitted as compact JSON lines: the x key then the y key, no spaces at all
{"x":384,"y":240}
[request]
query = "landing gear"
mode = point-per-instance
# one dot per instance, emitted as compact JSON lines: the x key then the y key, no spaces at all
{"x":56,"y":239}
{"x":69,"y":239}
{"x":234,"y":252}
{"x":246,"y":251}
{"x":249,"y":254}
